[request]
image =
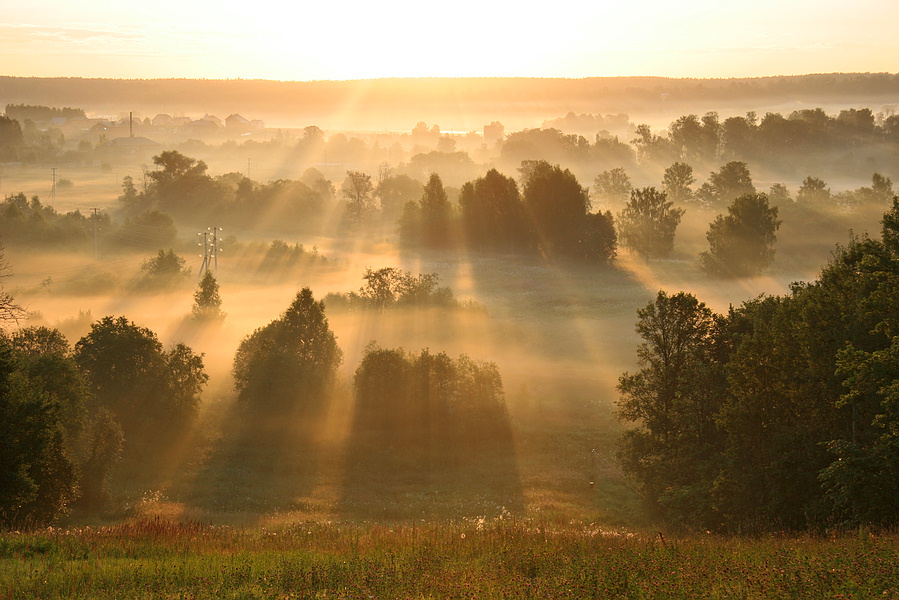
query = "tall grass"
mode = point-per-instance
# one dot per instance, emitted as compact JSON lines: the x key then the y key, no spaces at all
{"x":475,"y":558}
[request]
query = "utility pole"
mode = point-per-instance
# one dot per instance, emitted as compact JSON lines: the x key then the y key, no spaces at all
{"x":215,"y":250}
{"x":96,"y":218}
{"x":53,"y":188}
{"x":248,"y":168}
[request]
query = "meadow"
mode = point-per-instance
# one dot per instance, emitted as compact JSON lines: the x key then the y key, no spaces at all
{"x":504,"y":557}
{"x":234,"y":511}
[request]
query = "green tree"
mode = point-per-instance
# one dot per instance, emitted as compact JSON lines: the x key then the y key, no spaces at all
{"x":163,"y":270}
{"x":429,"y":405}
{"x":409,"y":225}
{"x":558,"y":205}
{"x":11,"y":138}
{"x":436,"y":214}
{"x":174,"y":167}
{"x":694,"y":138}
{"x":152,"y":227}
{"x":207,"y":300}
{"x":613,"y":187}
{"x":653,"y":148}
{"x":381,"y":286}
{"x":43,"y":356}
{"x":358,"y":192}
{"x":104,"y":441}
{"x":730,"y":181}
{"x":738,"y":137}
{"x":813,"y":191}
{"x":677,"y":181}
{"x":779,"y":194}
{"x":394,"y":191}
{"x":38,"y":477}
{"x":287,"y":366}
{"x":673,"y":400}
{"x":494,"y":216}
{"x":597,"y":240}
{"x":648,"y":222}
{"x":741,"y":243}
{"x":152,"y":393}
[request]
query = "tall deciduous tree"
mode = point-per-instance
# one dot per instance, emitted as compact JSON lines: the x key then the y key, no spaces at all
{"x":673,"y":400}
{"x":10,"y":311}
{"x":494,"y":216}
{"x":741,"y":243}
{"x":676,"y":182}
{"x":813,"y":191}
{"x":286,"y":367}
{"x":613,"y":187}
{"x":358,"y":192}
{"x":558,"y":205}
{"x":730,"y":181}
{"x":648,"y":223}
{"x":150,"y":392}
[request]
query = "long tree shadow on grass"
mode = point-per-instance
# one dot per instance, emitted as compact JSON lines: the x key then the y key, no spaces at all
{"x":261,"y":463}
{"x":431,"y":438}
{"x":284,"y":374}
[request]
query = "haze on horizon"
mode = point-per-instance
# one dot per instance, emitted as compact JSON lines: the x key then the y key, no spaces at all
{"x":355,"y":40}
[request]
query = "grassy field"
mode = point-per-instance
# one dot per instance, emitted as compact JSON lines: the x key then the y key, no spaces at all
{"x":502,"y":557}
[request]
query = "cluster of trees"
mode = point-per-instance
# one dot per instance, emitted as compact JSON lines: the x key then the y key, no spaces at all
{"x":782,"y":413}
{"x":163,"y":271}
{"x":549,"y":216}
{"x":389,"y":287}
{"x":431,"y":407}
{"x":741,"y":242}
{"x":180,"y":186}
{"x":555,"y":146}
{"x":29,"y":222}
{"x":69,"y":414}
{"x":773,"y":140}
{"x":41,"y":114}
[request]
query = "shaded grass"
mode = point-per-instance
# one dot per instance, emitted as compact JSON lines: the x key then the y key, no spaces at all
{"x":498,"y":558}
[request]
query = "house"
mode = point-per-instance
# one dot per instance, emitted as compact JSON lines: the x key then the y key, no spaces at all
{"x":200,"y":126}
{"x":163,"y":120}
{"x":213,"y":119}
{"x":133,"y":143}
{"x":237,"y":123}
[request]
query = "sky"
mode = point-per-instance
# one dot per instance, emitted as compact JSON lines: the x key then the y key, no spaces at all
{"x":325,"y":40}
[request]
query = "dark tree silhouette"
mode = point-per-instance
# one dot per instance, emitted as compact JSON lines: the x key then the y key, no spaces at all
{"x":648,"y":222}
{"x":207,"y":300}
{"x":286,"y":367}
{"x":741,"y":243}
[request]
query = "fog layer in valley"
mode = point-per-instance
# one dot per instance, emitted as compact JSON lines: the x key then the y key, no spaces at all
{"x":92,"y":229}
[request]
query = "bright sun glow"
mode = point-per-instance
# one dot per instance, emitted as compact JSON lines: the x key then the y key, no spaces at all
{"x":270,"y":39}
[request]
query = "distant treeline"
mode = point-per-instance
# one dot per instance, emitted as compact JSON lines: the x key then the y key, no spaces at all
{"x":41,"y":114}
{"x":427,"y":95}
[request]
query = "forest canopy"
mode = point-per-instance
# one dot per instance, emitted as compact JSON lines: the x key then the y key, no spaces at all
{"x":780,"y":413}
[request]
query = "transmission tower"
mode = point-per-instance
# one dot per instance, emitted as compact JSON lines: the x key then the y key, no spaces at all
{"x":210,"y":251}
